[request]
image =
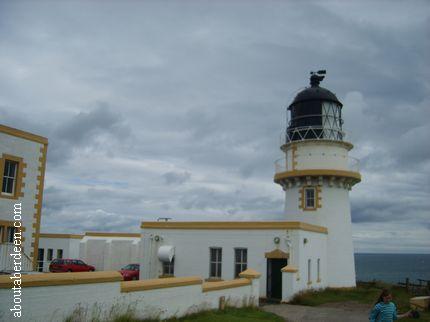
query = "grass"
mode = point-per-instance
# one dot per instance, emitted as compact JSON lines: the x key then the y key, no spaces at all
{"x":248,"y":314}
{"x":366,"y":293}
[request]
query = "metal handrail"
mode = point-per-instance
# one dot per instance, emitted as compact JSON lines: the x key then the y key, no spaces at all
{"x":312,"y":132}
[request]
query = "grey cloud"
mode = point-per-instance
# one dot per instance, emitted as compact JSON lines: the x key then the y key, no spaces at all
{"x":176,"y":178}
{"x":130,"y":95}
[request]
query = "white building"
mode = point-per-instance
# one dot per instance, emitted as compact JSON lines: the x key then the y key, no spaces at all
{"x":312,"y":248}
{"x":22,"y":169}
{"x":103,"y":250}
{"x":52,"y":246}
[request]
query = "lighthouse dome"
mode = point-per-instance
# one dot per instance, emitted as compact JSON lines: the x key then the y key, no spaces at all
{"x":315,"y":113}
{"x":315,"y":93}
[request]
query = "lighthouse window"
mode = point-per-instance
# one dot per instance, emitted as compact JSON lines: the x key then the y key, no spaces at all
{"x":310,"y":198}
{"x":215,"y":262}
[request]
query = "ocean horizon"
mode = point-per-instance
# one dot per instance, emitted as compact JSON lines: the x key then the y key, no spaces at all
{"x":392,"y":268}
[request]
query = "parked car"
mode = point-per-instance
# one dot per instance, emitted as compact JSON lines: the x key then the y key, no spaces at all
{"x":70,"y":265}
{"x":130,"y":272}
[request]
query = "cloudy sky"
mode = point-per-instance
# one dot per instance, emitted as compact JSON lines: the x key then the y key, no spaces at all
{"x":175,"y":109}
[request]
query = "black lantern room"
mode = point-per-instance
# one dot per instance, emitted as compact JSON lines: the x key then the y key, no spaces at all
{"x":315,"y":113}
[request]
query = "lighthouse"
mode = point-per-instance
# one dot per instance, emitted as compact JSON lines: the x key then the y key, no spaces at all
{"x":317,"y":174}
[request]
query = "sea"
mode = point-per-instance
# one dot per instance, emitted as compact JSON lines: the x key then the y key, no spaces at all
{"x":392,"y":268}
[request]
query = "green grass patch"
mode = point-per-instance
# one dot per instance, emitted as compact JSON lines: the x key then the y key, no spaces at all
{"x":248,"y":314}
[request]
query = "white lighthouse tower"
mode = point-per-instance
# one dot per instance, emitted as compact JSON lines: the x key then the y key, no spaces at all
{"x":317,"y":174}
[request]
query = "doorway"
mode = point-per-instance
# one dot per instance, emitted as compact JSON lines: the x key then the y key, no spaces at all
{"x":274,"y":277}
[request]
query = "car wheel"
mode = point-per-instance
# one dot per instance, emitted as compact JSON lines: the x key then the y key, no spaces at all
{"x":91,"y":270}
{"x":69,"y":270}
{"x":134,"y":278}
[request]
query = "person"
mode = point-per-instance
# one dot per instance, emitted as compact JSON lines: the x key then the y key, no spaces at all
{"x":385,"y":310}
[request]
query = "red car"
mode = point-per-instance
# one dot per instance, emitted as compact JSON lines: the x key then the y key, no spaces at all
{"x":130,"y":272}
{"x":70,"y":265}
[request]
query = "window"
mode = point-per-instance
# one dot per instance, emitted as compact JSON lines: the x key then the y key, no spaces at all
{"x":9,"y":177}
{"x":59,"y":253}
{"x":240,"y":260}
{"x":309,"y":272}
{"x":169,"y":268}
{"x":310,"y":198}
{"x":10,"y":234}
{"x":215,"y":262}
{"x":49,"y":254}
{"x":318,"y":270}
{"x":40,"y":254}
{"x":2,"y":230}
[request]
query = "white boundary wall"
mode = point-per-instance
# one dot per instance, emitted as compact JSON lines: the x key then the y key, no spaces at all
{"x":55,"y":303}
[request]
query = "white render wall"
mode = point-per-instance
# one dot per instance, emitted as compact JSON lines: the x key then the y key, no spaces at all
{"x":55,"y":303}
{"x":29,"y":151}
{"x":316,"y":154}
{"x":192,"y":251}
{"x":109,"y":253}
{"x":70,"y":247}
{"x":335,"y":211}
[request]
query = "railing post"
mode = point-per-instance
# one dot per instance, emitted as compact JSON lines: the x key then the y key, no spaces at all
{"x":407,"y":284}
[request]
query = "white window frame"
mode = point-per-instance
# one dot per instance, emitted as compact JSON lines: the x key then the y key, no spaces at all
{"x":10,"y":234}
{"x":58,"y":253}
{"x":50,"y":254}
{"x":169,"y":268}
{"x":314,"y":199}
{"x":243,"y":261}
{"x":217,"y":262}
{"x":14,"y":177}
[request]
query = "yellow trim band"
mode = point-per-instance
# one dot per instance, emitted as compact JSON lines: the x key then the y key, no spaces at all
{"x":23,"y":134}
{"x":215,"y":286}
{"x":250,"y":273}
{"x":38,"y":206}
{"x":277,"y":254}
{"x":72,"y":236}
{"x":144,"y":285}
{"x":289,"y":269}
{"x":102,"y":234}
{"x":317,"y":172}
{"x":51,"y":279}
{"x":344,"y":144}
{"x":233,"y":225}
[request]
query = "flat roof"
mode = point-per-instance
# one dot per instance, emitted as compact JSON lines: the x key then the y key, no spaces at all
{"x":90,"y":233}
{"x":246,"y":225}
{"x":109,"y":234}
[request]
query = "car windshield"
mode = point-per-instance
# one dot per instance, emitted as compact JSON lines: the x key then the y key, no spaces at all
{"x":130,"y":267}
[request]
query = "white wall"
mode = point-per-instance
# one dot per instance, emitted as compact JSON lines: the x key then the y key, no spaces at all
{"x":30,"y":152}
{"x":109,"y":253}
{"x":70,"y":247}
{"x":55,"y":303}
{"x":335,"y":211}
{"x":192,"y":250}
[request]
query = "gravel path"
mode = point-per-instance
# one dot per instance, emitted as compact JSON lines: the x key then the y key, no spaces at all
{"x":333,"y":312}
